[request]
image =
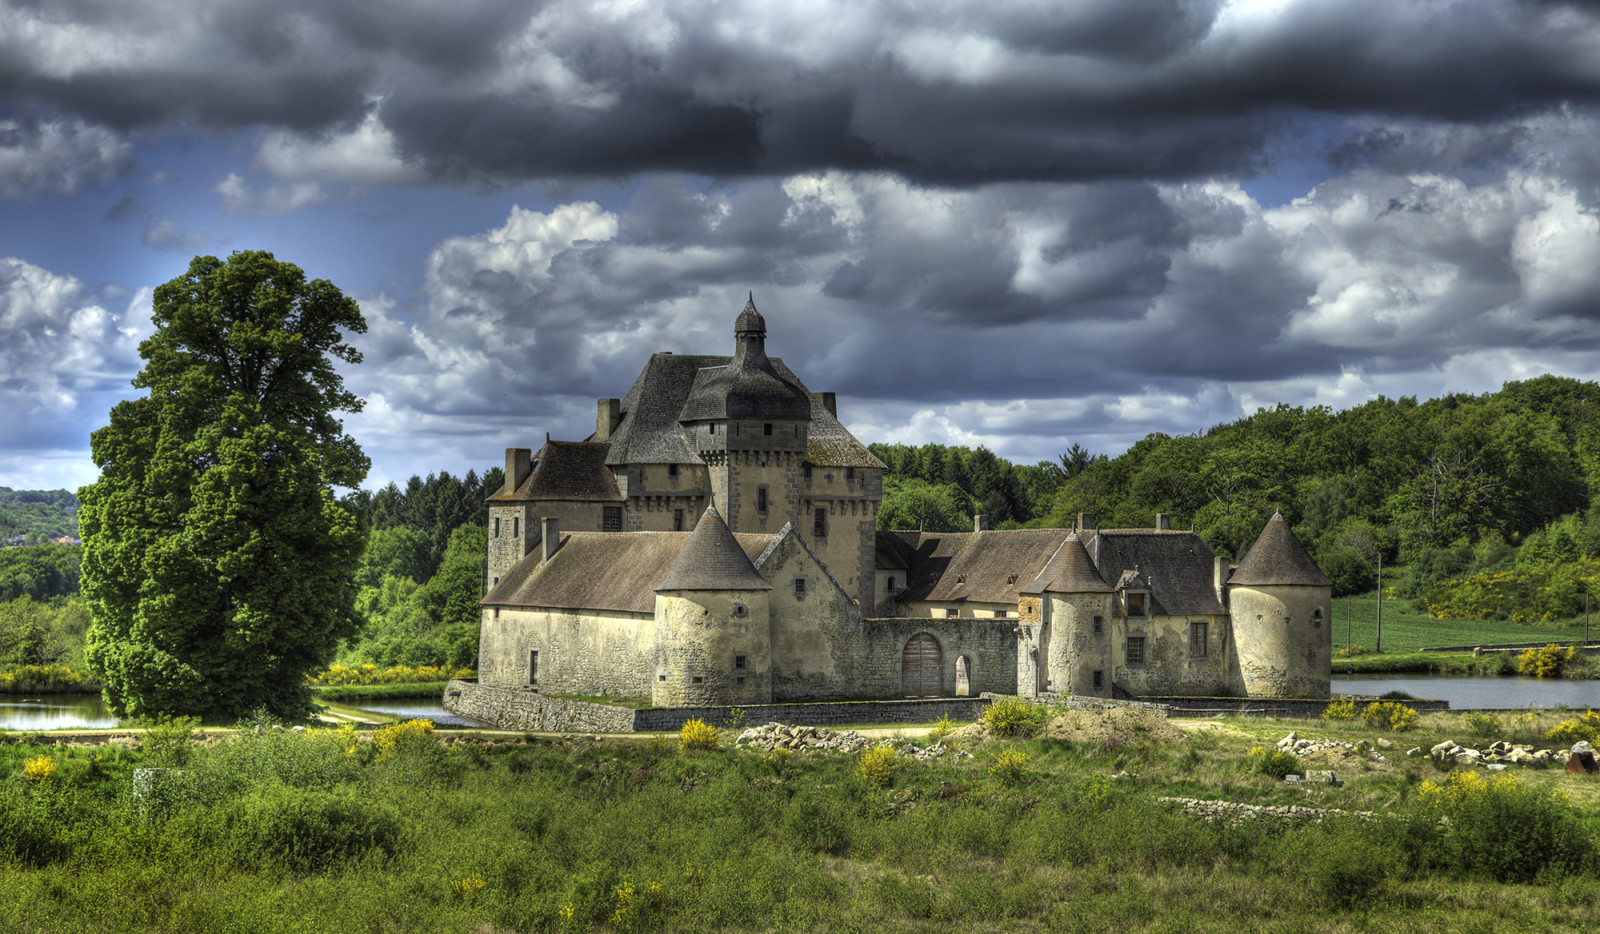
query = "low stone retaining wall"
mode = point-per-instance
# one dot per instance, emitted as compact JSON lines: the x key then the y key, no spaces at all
{"x":1075,"y":702}
{"x":526,"y":710}
{"x":1590,"y":648}
{"x":1228,"y":810}
{"x":1272,"y":707}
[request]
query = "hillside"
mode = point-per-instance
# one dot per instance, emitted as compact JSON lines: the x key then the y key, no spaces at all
{"x":38,"y":513}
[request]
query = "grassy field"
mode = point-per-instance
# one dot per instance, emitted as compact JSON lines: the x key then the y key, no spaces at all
{"x":1406,"y":630}
{"x":328,"y":832}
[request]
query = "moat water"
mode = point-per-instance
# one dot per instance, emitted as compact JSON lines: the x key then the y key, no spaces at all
{"x":89,"y":712}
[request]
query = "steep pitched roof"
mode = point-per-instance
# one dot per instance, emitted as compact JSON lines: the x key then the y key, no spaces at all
{"x":1178,"y":564}
{"x":984,"y":567}
{"x":567,"y":470}
{"x":1278,"y":558}
{"x":602,"y":571}
{"x":1069,"y":570}
{"x":713,"y":560}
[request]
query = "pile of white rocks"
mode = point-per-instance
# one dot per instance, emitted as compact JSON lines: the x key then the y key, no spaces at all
{"x":1229,"y":810}
{"x":1495,"y":756}
{"x":1305,"y":747}
{"x":770,"y":736}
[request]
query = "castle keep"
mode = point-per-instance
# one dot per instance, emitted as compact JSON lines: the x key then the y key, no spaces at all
{"x":714,"y":542}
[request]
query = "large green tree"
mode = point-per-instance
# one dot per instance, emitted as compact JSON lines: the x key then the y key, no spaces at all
{"x":218,"y":564}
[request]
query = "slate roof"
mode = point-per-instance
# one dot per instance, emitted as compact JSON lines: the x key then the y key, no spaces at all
{"x":713,"y":560}
{"x":567,"y":470}
{"x":1178,"y":564}
{"x":1069,"y":570}
{"x":615,"y":571}
{"x":985,"y":567}
{"x":1278,"y":558}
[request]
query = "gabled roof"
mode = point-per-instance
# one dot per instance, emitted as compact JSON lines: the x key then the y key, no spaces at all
{"x":713,"y":560}
{"x":615,"y":571}
{"x":1069,"y":570}
{"x":1278,"y":558}
{"x":985,"y":567}
{"x":567,"y":470}
{"x":1178,"y":564}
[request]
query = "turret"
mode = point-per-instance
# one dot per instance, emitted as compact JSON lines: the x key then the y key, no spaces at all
{"x":1280,"y":604}
{"x":1074,"y":608}
{"x":713,"y":638}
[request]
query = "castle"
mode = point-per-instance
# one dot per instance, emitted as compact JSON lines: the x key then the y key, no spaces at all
{"x":714,"y":542}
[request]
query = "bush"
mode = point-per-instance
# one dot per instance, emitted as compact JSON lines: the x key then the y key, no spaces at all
{"x":1499,"y":828}
{"x":1585,"y":727}
{"x":1340,"y":710}
{"x":941,"y":731}
{"x":877,"y":766}
{"x":1351,"y":651}
{"x":41,"y":769}
{"x":698,"y":734}
{"x":1389,"y":715}
{"x":1546,"y":662}
{"x":1276,"y":762}
{"x":168,"y":741}
{"x":1485,"y":724}
{"x":1010,"y":716}
{"x":1010,"y":767}
{"x":306,"y":830}
{"x":397,"y":736}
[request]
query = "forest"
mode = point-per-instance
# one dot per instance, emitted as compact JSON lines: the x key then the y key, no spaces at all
{"x":37,"y":514}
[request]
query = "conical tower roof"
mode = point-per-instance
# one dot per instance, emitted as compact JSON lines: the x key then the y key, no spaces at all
{"x":712,"y":560}
{"x":1276,"y":559}
{"x":1069,"y":570}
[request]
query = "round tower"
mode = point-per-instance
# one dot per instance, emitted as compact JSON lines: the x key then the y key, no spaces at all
{"x":1074,"y":606}
{"x":713,"y":638}
{"x":1281,"y":604}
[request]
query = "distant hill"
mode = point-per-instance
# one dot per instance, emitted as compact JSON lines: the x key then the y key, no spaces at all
{"x":41,"y":513}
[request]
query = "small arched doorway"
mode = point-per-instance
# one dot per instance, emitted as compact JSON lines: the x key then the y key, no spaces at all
{"x":922,"y":667}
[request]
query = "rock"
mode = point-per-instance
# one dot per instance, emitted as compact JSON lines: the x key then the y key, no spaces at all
{"x":1581,"y":763}
{"x":1443,"y":748}
{"x":1321,"y":777}
{"x":1581,"y":745}
{"x":1415,"y":751}
{"x":1497,"y":766}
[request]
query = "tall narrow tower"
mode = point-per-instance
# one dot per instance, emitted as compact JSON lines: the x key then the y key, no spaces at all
{"x":1280,"y":604}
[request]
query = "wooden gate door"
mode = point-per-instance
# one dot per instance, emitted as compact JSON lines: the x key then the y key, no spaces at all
{"x":922,"y":667}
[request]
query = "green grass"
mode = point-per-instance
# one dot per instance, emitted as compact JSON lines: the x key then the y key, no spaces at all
{"x":1406,"y":630}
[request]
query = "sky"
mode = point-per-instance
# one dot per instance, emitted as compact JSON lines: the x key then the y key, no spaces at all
{"x":1019,"y":225}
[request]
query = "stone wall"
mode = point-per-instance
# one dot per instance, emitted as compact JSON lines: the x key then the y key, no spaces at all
{"x":526,"y":710}
{"x":866,"y":658}
{"x":1275,"y":707}
{"x":580,"y":652}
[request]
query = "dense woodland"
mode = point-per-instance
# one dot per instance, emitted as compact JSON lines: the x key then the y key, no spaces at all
{"x":37,"y":514}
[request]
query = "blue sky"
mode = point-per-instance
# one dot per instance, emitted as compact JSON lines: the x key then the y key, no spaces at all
{"x":1019,"y":225}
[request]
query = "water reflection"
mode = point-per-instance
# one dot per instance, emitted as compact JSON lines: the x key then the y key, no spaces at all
{"x":1467,"y":693}
{"x":55,"y":712}
{"x":419,"y":709}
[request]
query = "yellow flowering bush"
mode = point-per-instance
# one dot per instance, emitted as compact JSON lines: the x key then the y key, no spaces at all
{"x":468,"y":887}
{"x":1010,"y":767}
{"x":40,"y":676}
{"x":1389,"y":715}
{"x":395,"y":736}
{"x":40,"y":769}
{"x":400,"y":674}
{"x":1010,"y":716}
{"x":1547,"y":661}
{"x":1275,"y":762}
{"x":698,"y":734}
{"x":1584,"y":727}
{"x":942,"y":730}
{"x":877,"y":766}
{"x":638,"y":909}
{"x":1340,"y":710}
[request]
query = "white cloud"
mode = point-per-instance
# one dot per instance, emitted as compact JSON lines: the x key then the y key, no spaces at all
{"x":239,"y":197}
{"x":364,"y":155}
{"x":59,"y":156}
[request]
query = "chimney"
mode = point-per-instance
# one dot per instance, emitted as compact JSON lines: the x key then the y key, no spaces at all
{"x":1085,"y":521}
{"x":1163,"y":522}
{"x":1219,"y":578}
{"x":829,"y":401}
{"x":980,"y":523}
{"x":606,"y":419}
{"x":517,"y":468}
{"x":550,"y":530}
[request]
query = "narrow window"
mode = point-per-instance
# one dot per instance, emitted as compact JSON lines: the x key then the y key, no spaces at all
{"x":496,"y":612}
{"x":497,"y":527}
{"x":1099,"y":624}
{"x":766,"y":429}
{"x":891,"y":585}
{"x":799,"y":586}
{"x":672,"y":470}
{"x":1135,"y":650}
{"x":495,"y":584}
{"x":849,"y":474}
{"x":712,"y":428}
{"x":761,"y":499}
{"x":1099,"y":681}
{"x":677,"y":520}
{"x":533,"y":667}
{"x":516,"y":526}
{"x":738,"y":662}
{"x":1316,"y":618}
{"x":1197,"y":640}
{"x":611,"y":520}
{"x":806,"y":468}
{"x":819,"y":527}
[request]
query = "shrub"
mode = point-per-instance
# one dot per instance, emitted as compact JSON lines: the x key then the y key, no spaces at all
{"x":877,"y":766}
{"x":1485,"y":724}
{"x":1584,"y":727}
{"x":941,"y":731}
{"x":397,"y":736}
{"x":1010,"y":716}
{"x":306,"y":830}
{"x":400,"y":674}
{"x":1340,"y":710}
{"x":698,"y":734}
{"x":1497,"y":827}
{"x":1010,"y":767}
{"x":169,"y":741}
{"x":1353,"y":650}
{"x":1276,"y":762}
{"x":1546,"y":662}
{"x":1389,"y":715}
{"x":40,"y":769}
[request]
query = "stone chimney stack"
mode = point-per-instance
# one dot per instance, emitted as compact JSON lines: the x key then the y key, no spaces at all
{"x":980,"y":523}
{"x":1085,"y":521}
{"x":518,"y":466}
{"x":829,"y":401}
{"x":1163,"y":522}
{"x":550,"y":529}
{"x":1219,"y":578}
{"x":606,"y":419}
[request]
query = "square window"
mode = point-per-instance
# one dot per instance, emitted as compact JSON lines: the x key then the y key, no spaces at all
{"x":799,"y":586}
{"x":738,"y":662}
{"x":699,"y":681}
{"x":951,"y":612}
{"x":766,"y":429}
{"x":1135,"y":650}
{"x":611,"y":519}
{"x":1197,"y":640}
{"x":672,"y":470}
{"x":661,"y":677}
{"x":740,"y":610}
{"x":1135,"y":603}
{"x":738,"y":680}
{"x":1001,"y":614}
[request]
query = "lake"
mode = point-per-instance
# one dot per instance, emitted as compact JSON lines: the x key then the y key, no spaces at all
{"x":54,"y":712}
{"x":1477,"y":692}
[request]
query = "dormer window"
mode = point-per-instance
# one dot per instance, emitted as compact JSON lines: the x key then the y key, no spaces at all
{"x":1135,"y":603}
